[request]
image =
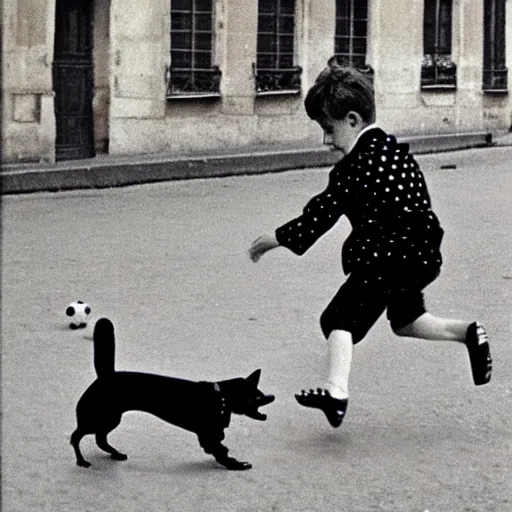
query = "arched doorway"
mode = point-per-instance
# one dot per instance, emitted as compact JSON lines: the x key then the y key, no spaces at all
{"x":73,"y":79}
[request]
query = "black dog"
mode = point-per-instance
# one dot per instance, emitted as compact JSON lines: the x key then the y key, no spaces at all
{"x":201,"y":407}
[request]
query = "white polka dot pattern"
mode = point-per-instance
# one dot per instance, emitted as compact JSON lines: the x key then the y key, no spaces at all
{"x":382,"y":191}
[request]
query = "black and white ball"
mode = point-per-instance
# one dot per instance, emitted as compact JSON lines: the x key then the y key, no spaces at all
{"x":79,"y":314}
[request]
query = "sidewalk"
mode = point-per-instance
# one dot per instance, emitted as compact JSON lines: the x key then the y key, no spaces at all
{"x":503,"y":139}
{"x":113,"y":170}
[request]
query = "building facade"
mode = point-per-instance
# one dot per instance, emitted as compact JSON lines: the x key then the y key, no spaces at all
{"x":127,"y":77}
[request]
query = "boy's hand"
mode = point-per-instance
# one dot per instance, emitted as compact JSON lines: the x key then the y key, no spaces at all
{"x":261,"y":245}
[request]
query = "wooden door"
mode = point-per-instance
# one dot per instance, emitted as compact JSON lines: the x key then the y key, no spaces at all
{"x":73,"y":79}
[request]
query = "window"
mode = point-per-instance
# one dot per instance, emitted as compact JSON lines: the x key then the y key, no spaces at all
{"x":438,"y":70}
{"x":350,"y":40}
{"x":275,"y":70}
{"x":495,"y":71}
{"x":192,"y":72}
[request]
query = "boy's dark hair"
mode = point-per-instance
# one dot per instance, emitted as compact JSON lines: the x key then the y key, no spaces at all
{"x":338,"y":90}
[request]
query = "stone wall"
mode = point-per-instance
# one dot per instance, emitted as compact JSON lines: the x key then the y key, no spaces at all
{"x":28,"y":125}
{"x":132,"y":51}
{"x":238,"y":119}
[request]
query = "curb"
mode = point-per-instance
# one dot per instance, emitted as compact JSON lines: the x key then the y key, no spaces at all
{"x":116,"y":171}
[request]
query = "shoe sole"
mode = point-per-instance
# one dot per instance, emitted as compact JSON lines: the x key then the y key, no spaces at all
{"x":335,"y":414}
{"x":481,"y":364}
{"x":479,"y":356}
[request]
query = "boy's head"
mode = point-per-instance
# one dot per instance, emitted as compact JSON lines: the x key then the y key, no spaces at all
{"x":339,"y":90}
{"x":342,"y":102}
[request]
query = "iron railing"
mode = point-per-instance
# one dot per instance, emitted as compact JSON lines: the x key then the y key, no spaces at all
{"x":193,"y":82}
{"x":277,"y":81}
{"x":438,"y":72}
{"x":495,"y":80}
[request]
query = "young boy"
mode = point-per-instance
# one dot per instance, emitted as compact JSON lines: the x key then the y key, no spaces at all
{"x":393,"y":251}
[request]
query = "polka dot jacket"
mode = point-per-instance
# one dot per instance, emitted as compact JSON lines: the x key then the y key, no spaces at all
{"x":382,"y":191}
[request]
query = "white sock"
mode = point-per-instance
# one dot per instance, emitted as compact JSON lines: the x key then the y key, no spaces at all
{"x":340,"y":359}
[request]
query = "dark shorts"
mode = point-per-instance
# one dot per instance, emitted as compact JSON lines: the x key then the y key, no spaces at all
{"x":362,"y":299}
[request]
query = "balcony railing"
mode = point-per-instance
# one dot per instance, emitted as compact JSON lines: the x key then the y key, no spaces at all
{"x":195,"y":83}
{"x":495,"y":80}
{"x":277,"y":81}
{"x":438,"y":72}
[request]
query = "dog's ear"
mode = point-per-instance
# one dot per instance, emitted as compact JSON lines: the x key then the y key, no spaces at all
{"x":254,"y":379}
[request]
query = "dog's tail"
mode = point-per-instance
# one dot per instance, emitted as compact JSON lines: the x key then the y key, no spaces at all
{"x":104,"y":347}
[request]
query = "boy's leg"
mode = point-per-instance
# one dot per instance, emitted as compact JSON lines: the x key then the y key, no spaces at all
{"x":430,"y":327}
{"x":340,"y":347}
{"x":352,"y":312}
{"x":333,"y":399}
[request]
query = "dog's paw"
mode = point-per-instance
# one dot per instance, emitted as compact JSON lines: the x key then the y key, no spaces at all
{"x":235,"y":465}
{"x":83,"y":463}
{"x":243,"y":465}
{"x":119,"y":456}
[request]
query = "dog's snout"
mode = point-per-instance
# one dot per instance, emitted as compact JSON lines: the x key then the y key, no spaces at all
{"x":267,"y":399}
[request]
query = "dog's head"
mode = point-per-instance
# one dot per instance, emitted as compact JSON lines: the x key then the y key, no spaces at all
{"x":244,"y":397}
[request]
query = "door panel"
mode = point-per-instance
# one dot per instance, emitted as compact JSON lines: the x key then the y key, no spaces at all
{"x":73,"y":79}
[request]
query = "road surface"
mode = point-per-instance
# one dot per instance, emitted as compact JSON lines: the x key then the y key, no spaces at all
{"x":168,"y":264}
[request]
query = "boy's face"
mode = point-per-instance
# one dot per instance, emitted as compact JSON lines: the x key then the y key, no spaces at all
{"x":341,"y":133}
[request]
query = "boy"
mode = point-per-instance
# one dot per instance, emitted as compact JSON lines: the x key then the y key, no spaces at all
{"x":393,"y":251}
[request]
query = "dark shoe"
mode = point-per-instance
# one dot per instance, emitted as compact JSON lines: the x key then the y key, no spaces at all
{"x":333,"y":408}
{"x":479,"y":352}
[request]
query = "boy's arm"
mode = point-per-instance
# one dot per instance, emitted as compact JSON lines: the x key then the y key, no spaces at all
{"x":318,"y":216}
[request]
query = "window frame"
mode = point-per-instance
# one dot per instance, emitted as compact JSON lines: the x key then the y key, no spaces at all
{"x":438,"y":70}
{"x":193,"y":81}
{"x":495,"y":72}
{"x":349,"y":58}
{"x":276,"y":80}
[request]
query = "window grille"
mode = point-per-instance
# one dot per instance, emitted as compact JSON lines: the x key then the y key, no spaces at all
{"x":437,"y":69}
{"x":192,"y":73}
{"x":275,"y":71}
{"x":350,"y":40}
{"x":495,"y":73}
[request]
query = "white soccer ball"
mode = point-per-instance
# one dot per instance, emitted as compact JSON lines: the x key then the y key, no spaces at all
{"x":78,"y":313}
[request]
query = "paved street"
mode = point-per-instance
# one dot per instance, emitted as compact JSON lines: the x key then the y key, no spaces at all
{"x":168,"y":264}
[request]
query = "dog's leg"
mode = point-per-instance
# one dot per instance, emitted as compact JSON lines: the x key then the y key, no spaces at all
{"x":220,"y":452}
{"x":214,"y":447}
{"x":76,"y":437}
{"x":101,"y":441}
